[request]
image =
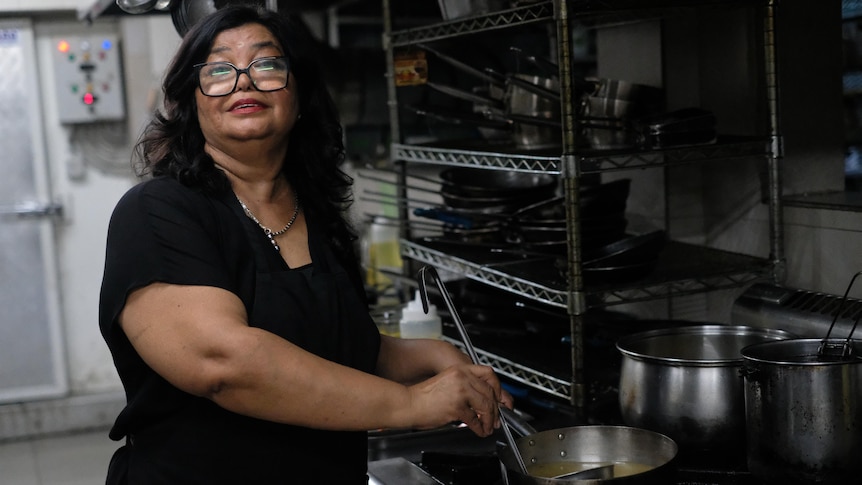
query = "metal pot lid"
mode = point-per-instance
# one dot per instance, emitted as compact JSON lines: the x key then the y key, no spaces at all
{"x":697,"y":345}
{"x":801,"y":352}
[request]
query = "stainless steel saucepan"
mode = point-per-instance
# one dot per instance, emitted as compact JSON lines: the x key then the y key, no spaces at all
{"x":635,"y":456}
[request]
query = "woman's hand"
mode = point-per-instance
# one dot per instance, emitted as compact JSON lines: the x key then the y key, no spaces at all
{"x":444,"y":386}
{"x":467,"y":393}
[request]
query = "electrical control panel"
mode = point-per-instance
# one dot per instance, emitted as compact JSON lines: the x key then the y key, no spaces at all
{"x":88,"y":77}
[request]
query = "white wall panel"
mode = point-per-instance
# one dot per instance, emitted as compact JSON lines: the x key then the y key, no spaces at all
{"x":42,"y":5}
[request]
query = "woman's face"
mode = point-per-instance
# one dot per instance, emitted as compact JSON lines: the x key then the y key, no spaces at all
{"x":246,"y":113}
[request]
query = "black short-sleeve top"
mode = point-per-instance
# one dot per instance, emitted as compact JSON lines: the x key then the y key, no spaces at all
{"x":162,"y":231}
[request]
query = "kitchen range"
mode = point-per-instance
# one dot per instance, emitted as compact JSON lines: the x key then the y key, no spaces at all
{"x":686,"y":380}
{"x":455,"y":456}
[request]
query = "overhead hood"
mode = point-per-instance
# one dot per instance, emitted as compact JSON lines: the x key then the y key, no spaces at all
{"x":185,"y":13}
{"x":109,"y":7}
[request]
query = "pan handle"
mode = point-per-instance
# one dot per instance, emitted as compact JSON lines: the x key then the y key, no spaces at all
{"x":533,"y":88}
{"x":846,"y":349}
{"x":546,"y":65}
{"x":534,"y":120}
{"x":498,"y":78}
{"x":461,"y":65}
{"x":461,"y":119}
{"x":517,"y":423}
{"x":550,"y":68}
{"x":444,"y":216}
{"x":464,"y":95}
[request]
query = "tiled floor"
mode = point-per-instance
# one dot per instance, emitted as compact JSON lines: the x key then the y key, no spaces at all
{"x":78,"y":459}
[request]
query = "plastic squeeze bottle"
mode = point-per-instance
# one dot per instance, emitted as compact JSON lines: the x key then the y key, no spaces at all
{"x":415,"y":323}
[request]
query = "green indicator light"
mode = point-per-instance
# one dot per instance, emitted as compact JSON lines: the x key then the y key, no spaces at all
{"x":72,"y":57}
{"x":74,"y":88}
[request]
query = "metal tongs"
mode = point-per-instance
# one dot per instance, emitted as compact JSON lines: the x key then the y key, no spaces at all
{"x":510,"y":439}
{"x":843,"y":351}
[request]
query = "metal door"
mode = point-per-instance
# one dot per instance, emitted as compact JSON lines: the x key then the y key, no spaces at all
{"x":31,"y":351}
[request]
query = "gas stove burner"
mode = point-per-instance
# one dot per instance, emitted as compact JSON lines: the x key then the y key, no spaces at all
{"x":463,"y":468}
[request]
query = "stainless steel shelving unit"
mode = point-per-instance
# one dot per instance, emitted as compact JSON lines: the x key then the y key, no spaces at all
{"x":474,"y":154}
{"x":687,"y":269}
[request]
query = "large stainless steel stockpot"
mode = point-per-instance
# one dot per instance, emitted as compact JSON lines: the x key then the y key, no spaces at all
{"x":685,"y":382}
{"x":804,"y":412}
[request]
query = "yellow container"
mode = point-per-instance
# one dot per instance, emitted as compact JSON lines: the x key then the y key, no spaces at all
{"x":387,"y":320}
{"x":383,"y":253}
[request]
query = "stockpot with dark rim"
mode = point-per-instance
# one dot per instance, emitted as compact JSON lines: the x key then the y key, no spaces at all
{"x":804,"y":411}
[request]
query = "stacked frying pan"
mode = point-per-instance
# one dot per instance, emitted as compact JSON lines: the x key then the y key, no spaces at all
{"x":494,"y":191}
{"x":509,"y":211}
{"x":510,"y":208}
{"x":543,"y":226}
{"x":486,"y":199}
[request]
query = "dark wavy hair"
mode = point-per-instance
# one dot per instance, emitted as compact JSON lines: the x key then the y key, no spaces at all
{"x":172,"y":144}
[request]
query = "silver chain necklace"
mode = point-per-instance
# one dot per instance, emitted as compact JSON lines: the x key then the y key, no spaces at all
{"x":269,"y":232}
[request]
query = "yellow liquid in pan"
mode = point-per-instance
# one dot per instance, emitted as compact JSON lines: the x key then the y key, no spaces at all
{"x":557,"y":468}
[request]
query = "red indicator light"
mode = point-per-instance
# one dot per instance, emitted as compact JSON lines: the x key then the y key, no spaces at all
{"x":63,"y":46}
{"x":89,"y":99}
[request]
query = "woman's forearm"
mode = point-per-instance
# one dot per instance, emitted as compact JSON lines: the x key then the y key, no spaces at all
{"x":411,"y":360}
{"x":277,"y":381}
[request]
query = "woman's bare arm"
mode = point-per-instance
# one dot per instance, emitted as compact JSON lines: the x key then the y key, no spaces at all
{"x":198,"y":339}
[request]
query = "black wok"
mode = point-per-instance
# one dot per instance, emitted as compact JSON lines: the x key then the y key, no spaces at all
{"x":625,"y":273}
{"x":495,"y":183}
{"x":593,"y":231}
{"x":493,"y":119}
{"x":628,"y":251}
{"x":595,"y":201}
{"x":505,"y":204}
{"x":622,"y":259}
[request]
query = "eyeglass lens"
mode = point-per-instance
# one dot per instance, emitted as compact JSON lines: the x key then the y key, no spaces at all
{"x":220,"y":78}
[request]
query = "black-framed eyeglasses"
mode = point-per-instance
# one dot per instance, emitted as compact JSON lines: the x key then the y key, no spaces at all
{"x":221,"y":78}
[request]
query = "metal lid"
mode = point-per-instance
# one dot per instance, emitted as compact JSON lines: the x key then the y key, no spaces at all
{"x":699,"y":345}
{"x":803,"y":352}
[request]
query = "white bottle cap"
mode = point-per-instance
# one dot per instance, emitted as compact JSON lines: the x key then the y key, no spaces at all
{"x":415,"y":323}
{"x":414,"y":311}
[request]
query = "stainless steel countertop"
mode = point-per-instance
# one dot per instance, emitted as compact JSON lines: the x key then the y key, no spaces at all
{"x":398,"y":471}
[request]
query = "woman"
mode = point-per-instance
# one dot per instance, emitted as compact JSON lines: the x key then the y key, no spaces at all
{"x":231,"y":300}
